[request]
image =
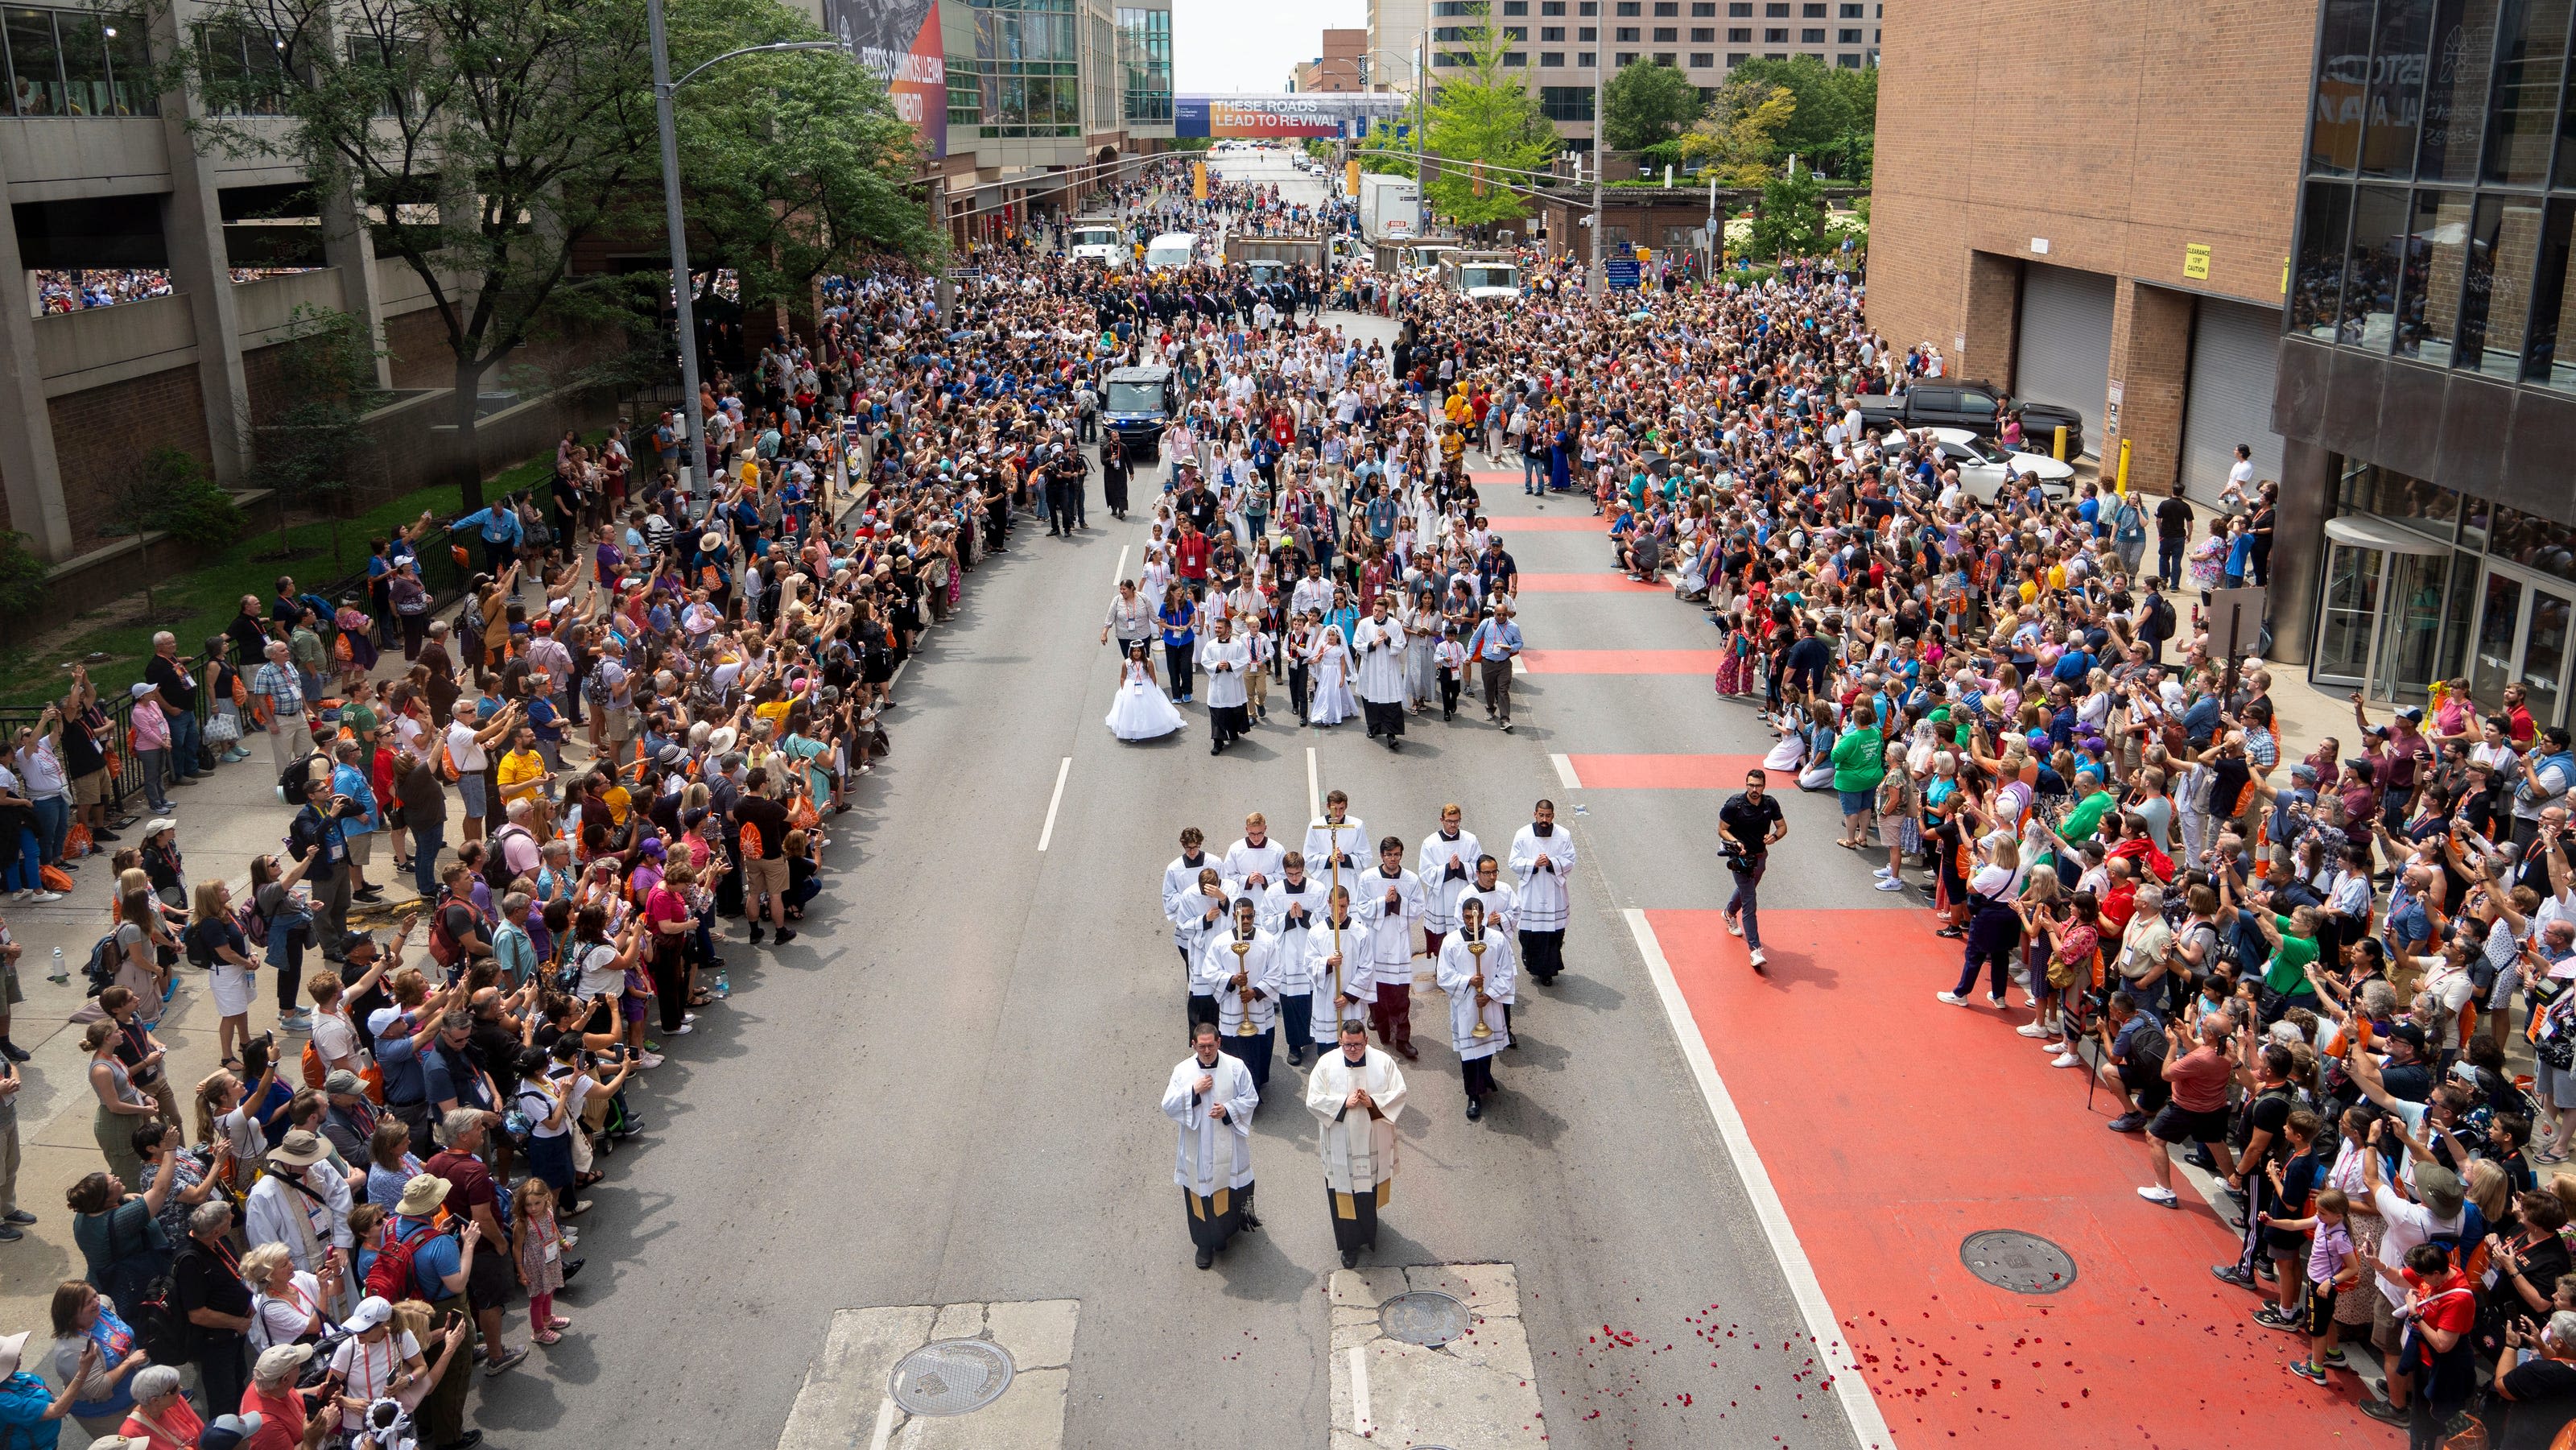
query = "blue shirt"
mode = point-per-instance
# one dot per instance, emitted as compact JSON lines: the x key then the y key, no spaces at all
{"x":350,"y":781}
{"x":23,"y":1403}
{"x":1499,"y":640}
{"x":392,"y":1029}
{"x":431,"y":1263}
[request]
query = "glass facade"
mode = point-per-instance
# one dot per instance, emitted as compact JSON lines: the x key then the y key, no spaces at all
{"x":2432,"y":224}
{"x":1145,"y":56}
{"x":77,"y":63}
{"x":1025,"y":77}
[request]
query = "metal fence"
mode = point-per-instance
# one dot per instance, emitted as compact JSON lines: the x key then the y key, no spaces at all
{"x":438,"y":571}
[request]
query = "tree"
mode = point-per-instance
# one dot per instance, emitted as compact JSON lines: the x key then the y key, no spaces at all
{"x":1646,"y":103}
{"x":1737,"y":139}
{"x":309,"y":453}
{"x":171,"y":494}
{"x":1792,"y":220}
{"x":1486,"y":133}
{"x":491,"y":141}
{"x":1385,"y":153}
{"x":798,"y":165}
{"x":1836,"y":114}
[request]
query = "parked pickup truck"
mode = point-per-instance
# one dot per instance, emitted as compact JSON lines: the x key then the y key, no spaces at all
{"x":1975,"y":406}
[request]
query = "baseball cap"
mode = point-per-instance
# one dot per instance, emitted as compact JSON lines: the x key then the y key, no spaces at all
{"x":373,"y":1311}
{"x":228,"y":1432}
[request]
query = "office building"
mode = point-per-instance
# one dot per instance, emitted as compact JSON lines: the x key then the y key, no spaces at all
{"x":2419,"y":370}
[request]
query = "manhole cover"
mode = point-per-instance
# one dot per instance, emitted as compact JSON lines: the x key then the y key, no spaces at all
{"x":1424,"y":1316}
{"x":2022,"y":1262}
{"x":951,"y":1377}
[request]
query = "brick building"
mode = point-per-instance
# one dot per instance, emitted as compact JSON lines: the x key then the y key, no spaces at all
{"x":2109,"y":231}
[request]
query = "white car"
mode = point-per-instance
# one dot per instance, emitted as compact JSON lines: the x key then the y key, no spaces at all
{"x":1984,"y":469}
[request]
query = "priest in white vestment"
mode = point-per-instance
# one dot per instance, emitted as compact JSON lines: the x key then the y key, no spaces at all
{"x":1378,"y":644}
{"x":1388,"y":901}
{"x":1543,"y":858}
{"x":1477,"y":971}
{"x":1356,"y":1092}
{"x":1446,"y":866}
{"x":1238,"y":969}
{"x":1212,"y":1097}
{"x":1290,"y":911}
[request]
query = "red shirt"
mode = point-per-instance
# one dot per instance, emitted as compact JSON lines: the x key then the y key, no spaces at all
{"x":469,"y":1183}
{"x":1190,"y":553}
{"x":2518,"y":726}
{"x":281,"y":1420}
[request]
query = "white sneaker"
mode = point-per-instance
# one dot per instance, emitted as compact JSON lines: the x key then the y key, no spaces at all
{"x":1953,"y":998}
{"x":1882,"y":872}
{"x":1890,"y":883}
{"x":2053,"y":1047}
{"x":2067,"y":1059}
{"x":1757,"y":958}
{"x":1994,"y":1001}
{"x":2162,"y":1196}
{"x":649,"y":1059}
{"x":684,"y":1029}
{"x":1734,"y":927}
{"x":2032,"y":1029}
{"x":22,"y":893}
{"x":44,"y":896}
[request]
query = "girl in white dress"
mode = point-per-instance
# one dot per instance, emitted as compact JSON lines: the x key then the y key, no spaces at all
{"x":1141,"y":711}
{"x":1331,"y":666}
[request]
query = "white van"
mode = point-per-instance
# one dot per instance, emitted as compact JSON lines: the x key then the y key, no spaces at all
{"x":1095,"y":242}
{"x":1172,"y":249}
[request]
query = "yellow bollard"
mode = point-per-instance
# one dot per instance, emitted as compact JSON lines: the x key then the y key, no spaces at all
{"x":2120,"y":484}
{"x":2061,"y":443}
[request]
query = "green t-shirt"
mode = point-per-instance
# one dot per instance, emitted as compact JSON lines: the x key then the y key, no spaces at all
{"x":2086,"y":818}
{"x":2288,"y":971}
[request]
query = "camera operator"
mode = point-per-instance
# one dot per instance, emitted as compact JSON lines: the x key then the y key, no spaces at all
{"x":1747,"y":826}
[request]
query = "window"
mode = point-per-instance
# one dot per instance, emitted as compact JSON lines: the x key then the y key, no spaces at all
{"x":2530,"y":52}
{"x":1775,"y":37}
{"x":1565,"y":103}
{"x":1702,"y":60}
{"x":1703,"y":9}
{"x":1587,"y":59}
{"x":1624,"y":59}
{"x":1818,"y":59}
{"x":1736,"y":58}
{"x":2316,"y":267}
{"x":1666,"y":34}
{"x":1854,"y":12}
{"x":1551,"y":7}
{"x":1846,"y":37}
{"x":1703,"y":34}
{"x":1517,"y":58}
{"x":1739,"y":10}
{"x":1666,"y":58}
{"x":1739,"y":35}
{"x":1551,"y":59}
{"x":1813,"y":11}
{"x":1627,"y":33}
{"x":1516,"y":32}
{"x":1458,"y":34}
{"x":1667,"y":9}
{"x":1450,"y":9}
{"x":1516,"y":7}
{"x":1145,"y":53}
{"x":1848,"y":62}
{"x":1775,"y":11}
{"x":1588,"y":7}
{"x":1552,"y":33}
{"x":1774,"y":55}
{"x":1629,"y":7}
{"x":1587,"y":34}
{"x":1811,"y":37}
{"x":84,"y":63}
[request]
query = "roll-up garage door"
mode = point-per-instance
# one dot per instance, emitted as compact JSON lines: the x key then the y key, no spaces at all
{"x":2064,"y":355}
{"x":2234,"y":349}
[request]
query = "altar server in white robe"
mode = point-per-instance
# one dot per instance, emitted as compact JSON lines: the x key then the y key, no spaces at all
{"x":1212,"y":1097}
{"x":1181,"y":879}
{"x":1502,"y":914}
{"x":1227,"y":659}
{"x":1336,"y":841}
{"x":1238,"y":969}
{"x":1252,"y":862}
{"x":1378,"y":643}
{"x":1345,"y":981}
{"x":1290,"y":910}
{"x":1543,"y":858}
{"x":1388,"y":901}
{"x":1446,"y":866}
{"x":1356,"y":1093}
{"x":1477,"y":971}
{"x":1200,"y":917}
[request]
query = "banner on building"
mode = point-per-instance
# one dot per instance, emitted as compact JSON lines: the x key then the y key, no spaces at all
{"x":1282,"y":117}
{"x":900,"y":41}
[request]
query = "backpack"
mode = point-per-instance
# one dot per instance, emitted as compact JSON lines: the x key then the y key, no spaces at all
{"x":445,"y":764}
{"x":444,"y":948}
{"x":496,"y":861}
{"x":159,"y":1328}
{"x":390,"y":1276}
{"x":104,"y":959}
{"x":594,"y":688}
{"x":2160,"y":615}
{"x":290,"y":781}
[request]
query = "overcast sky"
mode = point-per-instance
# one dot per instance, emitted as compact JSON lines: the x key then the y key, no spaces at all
{"x":1250,"y":45}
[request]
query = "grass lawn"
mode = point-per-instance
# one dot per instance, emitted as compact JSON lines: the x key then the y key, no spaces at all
{"x":202,"y":600}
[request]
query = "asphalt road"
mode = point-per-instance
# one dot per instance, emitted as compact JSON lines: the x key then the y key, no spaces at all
{"x":946,"y":1091}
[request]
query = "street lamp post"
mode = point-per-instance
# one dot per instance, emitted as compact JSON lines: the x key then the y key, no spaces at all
{"x":1597,"y":285}
{"x":693,"y":443}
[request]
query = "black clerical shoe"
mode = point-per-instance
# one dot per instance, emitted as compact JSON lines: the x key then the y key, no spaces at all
{"x":1350,"y":1258}
{"x":1475,"y":1109}
{"x":1207,"y":1257}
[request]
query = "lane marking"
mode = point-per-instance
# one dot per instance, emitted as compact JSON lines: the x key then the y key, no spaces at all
{"x":1360,"y":1425}
{"x":1520,"y":664}
{"x":1314,"y":791}
{"x":1053,"y":801}
{"x":1118,"y":575}
{"x":885,"y":1424}
{"x":1622,"y":661}
{"x":1565,"y":775}
{"x":1859,"y":1405}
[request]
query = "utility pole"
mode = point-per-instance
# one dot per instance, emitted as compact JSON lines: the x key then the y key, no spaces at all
{"x":1598,"y":283}
{"x":1421,"y":127}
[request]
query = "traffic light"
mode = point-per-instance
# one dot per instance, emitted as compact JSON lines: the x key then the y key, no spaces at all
{"x":1476,"y":178}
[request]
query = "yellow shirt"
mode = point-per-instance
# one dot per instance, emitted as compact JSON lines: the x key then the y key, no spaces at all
{"x":775,"y":712}
{"x":619,"y":802}
{"x":520,"y":772}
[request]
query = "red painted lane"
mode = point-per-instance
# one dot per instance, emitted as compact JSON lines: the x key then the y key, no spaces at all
{"x":1895,"y":1126}
{"x":1667,"y":772}
{"x":1546,"y":524}
{"x":1608,"y":581}
{"x":1621,"y":661}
